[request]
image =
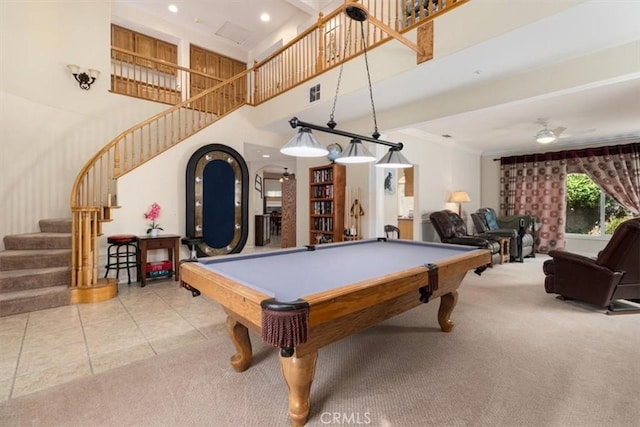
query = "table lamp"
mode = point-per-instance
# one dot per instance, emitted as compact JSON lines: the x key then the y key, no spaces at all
{"x":459,"y":197}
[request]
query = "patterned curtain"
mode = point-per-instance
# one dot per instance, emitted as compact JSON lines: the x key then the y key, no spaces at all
{"x":536,"y":185}
{"x":615,"y":169}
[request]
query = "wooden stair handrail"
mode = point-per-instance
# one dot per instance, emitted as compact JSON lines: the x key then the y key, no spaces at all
{"x":106,"y":148}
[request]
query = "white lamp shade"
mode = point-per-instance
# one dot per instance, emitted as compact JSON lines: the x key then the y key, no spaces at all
{"x":459,"y":197}
{"x":394,"y":159}
{"x":304,"y":144}
{"x":356,"y":152}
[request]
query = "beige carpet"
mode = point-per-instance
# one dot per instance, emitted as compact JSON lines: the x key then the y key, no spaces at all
{"x":517,"y":357}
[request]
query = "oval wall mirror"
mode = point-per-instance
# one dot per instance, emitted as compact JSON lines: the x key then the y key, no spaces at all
{"x":217,"y":200}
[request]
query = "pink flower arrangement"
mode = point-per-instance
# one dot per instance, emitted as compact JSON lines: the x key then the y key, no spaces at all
{"x":153,"y":213}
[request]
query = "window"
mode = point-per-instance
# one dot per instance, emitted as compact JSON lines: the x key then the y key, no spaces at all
{"x":588,"y":207}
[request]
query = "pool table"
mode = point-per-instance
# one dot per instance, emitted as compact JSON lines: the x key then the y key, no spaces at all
{"x":305,"y":298}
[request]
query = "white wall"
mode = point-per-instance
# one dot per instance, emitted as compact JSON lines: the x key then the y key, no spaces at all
{"x":443,"y":169}
{"x":49,"y":126}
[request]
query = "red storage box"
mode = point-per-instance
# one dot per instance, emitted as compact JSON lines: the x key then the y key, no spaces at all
{"x":164,"y":265}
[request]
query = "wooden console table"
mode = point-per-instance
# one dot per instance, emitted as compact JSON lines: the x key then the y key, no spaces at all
{"x":170,"y":242}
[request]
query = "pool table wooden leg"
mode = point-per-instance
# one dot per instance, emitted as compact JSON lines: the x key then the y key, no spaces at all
{"x":447,"y":304}
{"x":298,"y":373}
{"x":240,"y":337}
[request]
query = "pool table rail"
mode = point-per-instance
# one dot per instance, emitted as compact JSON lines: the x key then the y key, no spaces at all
{"x":239,"y":299}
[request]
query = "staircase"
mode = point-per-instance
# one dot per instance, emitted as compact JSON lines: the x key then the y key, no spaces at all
{"x":35,"y":268}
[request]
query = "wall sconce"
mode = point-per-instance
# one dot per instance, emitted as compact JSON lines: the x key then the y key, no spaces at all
{"x":459,"y":197}
{"x":84,"y":80}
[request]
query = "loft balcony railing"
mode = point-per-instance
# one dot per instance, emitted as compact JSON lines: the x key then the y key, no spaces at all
{"x":198,"y":100}
{"x":324,"y":46}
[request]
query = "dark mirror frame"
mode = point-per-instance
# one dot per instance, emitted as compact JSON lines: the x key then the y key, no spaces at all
{"x":200,"y":193}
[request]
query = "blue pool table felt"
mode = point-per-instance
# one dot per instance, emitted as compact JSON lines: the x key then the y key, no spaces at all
{"x":291,"y":274}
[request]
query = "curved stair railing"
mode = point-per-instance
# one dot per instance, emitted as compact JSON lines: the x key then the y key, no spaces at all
{"x":94,"y":192}
{"x":316,"y":50}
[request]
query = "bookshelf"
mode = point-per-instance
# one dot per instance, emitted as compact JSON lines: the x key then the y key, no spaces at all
{"x":326,"y":203}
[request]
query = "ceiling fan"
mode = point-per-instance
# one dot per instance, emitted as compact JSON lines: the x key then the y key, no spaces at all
{"x":546,"y":135}
{"x":285,"y":175}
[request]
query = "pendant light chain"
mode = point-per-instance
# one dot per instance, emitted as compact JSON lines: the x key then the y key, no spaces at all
{"x":375,"y":134}
{"x":304,"y":144}
{"x":332,"y":123}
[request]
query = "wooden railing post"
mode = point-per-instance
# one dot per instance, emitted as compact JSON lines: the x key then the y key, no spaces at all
{"x":116,"y":160}
{"x":322,"y":42}
{"x":256,"y":88}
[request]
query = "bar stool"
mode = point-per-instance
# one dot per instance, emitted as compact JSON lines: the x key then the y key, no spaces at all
{"x":191,"y":243}
{"x":122,"y":254}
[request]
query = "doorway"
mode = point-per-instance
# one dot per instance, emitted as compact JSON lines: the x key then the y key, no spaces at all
{"x":279,"y":206}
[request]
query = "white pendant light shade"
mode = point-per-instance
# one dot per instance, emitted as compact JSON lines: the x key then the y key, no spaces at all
{"x":304,"y":144}
{"x":394,"y":159}
{"x":545,"y":136}
{"x":356,"y":152}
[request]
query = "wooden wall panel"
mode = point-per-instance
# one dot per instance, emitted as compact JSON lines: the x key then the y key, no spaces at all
{"x":289,"y":212}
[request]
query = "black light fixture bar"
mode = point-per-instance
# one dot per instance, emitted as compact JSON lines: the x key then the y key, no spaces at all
{"x":294,"y":122}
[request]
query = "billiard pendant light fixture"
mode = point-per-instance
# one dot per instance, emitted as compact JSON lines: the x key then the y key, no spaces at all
{"x":304,"y":144}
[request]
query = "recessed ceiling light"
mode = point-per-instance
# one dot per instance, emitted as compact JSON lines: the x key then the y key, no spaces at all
{"x":265,"y":17}
{"x":173,"y":8}
{"x":266,"y":156}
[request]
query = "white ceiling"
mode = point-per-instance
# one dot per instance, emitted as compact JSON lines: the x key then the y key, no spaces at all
{"x":234,"y":21}
{"x":602,"y":114}
{"x":599,"y":112}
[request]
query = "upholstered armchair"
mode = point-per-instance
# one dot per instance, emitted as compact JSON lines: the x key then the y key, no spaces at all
{"x":452,"y":229}
{"x":613,"y":275}
{"x":519,"y":228}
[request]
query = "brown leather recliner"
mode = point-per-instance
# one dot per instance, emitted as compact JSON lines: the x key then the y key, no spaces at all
{"x":613,"y":275}
{"x":452,"y":229}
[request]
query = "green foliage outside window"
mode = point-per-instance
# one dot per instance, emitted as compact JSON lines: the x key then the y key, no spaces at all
{"x":583,"y":207}
{"x":582,"y":193}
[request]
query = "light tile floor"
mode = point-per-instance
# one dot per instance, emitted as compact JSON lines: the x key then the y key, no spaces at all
{"x":49,"y":347}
